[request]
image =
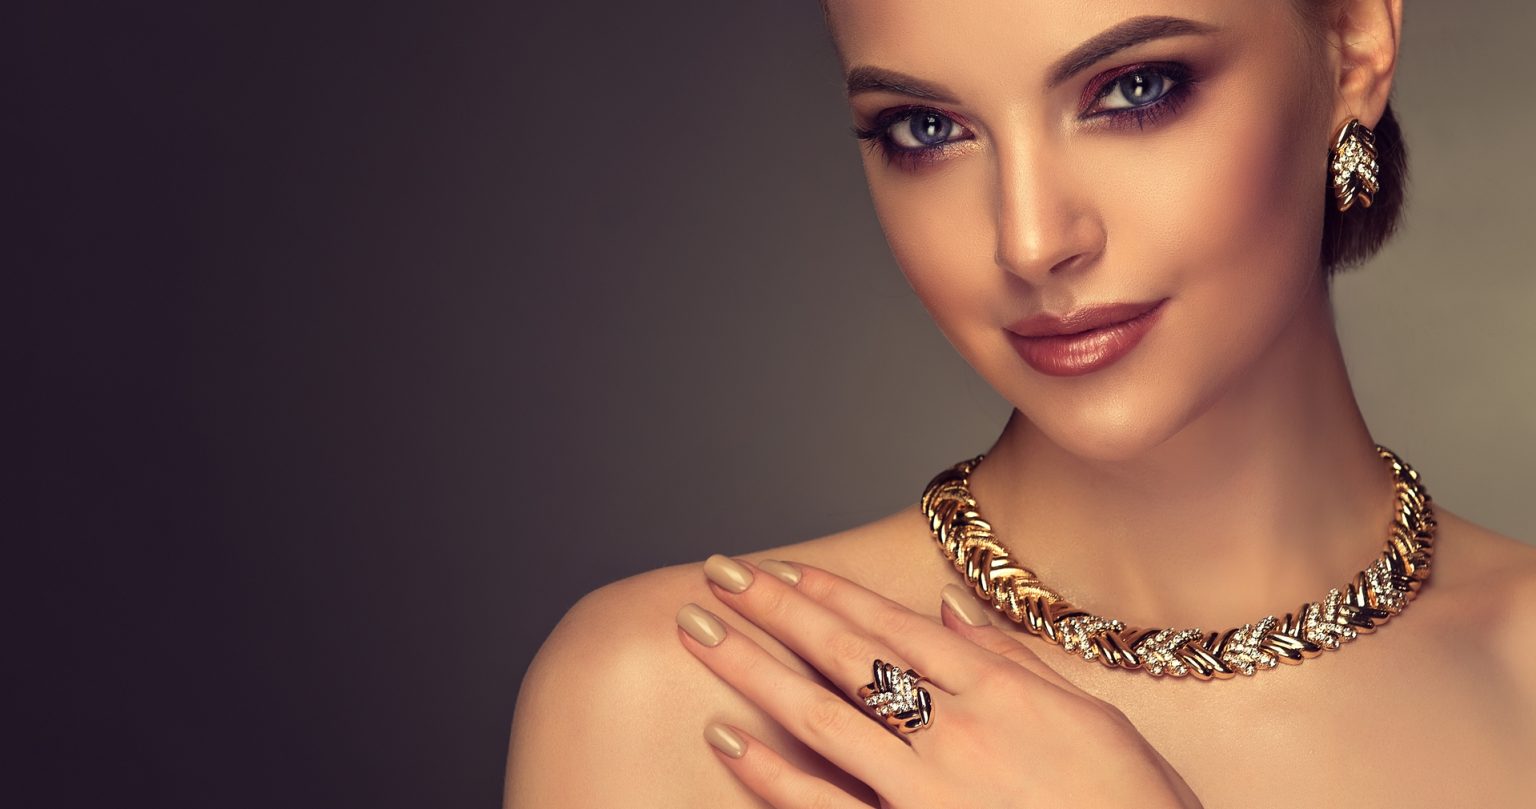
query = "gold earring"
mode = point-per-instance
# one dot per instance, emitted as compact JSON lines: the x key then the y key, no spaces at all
{"x":1356,"y":174}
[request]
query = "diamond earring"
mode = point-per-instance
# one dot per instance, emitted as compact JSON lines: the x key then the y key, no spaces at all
{"x":1356,"y":174}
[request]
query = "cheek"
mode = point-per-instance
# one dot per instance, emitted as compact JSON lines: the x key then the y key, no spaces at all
{"x":939,"y":227}
{"x":1233,"y":198}
{"x":1237,"y":224}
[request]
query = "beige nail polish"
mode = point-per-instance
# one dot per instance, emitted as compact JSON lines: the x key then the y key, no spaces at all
{"x":963,"y":604}
{"x":701,"y":624}
{"x":783,"y":571}
{"x":724,"y":739}
{"x":727,"y":572}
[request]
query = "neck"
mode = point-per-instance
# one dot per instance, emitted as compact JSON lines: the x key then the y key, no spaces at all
{"x":1269,"y":498}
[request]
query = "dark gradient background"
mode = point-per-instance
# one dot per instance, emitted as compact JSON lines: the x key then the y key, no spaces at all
{"x":361,"y":339}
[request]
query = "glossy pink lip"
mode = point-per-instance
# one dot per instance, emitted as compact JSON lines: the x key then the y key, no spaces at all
{"x":1085,"y":340}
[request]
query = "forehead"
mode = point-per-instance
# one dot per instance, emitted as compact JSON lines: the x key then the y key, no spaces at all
{"x":956,"y":38}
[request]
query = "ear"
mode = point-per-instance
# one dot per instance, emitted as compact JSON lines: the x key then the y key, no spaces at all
{"x":1365,"y":35}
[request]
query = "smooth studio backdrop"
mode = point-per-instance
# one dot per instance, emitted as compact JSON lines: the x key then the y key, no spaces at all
{"x":367,"y":337}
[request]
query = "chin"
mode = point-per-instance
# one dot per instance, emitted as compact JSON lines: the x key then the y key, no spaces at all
{"x":1120,"y":414}
{"x":1110,"y":431}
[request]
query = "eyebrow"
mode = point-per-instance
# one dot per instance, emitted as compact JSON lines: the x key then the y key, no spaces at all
{"x":1117,"y":38}
{"x":1125,"y":34}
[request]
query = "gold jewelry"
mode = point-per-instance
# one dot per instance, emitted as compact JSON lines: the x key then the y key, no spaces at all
{"x":895,"y":697}
{"x":1372,"y":598}
{"x":1352,"y":160}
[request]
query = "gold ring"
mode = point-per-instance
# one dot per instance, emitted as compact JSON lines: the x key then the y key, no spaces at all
{"x":894,"y":696}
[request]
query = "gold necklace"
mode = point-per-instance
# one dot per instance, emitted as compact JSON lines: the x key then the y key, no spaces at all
{"x":1370,"y":599}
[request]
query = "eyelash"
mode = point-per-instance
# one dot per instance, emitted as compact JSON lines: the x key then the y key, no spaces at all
{"x":878,"y":135}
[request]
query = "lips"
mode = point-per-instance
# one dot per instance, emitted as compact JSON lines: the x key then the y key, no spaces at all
{"x":1084,"y":340}
{"x":1087,"y":318}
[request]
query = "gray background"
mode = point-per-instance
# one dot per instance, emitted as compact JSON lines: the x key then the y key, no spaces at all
{"x":365,"y":338}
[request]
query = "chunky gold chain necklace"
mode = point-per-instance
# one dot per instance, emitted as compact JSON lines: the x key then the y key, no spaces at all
{"x":1370,"y":599}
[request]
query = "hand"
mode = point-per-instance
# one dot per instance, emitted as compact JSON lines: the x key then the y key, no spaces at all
{"x":1005,"y":731}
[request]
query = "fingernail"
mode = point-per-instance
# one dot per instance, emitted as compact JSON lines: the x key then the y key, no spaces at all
{"x":724,"y":739}
{"x":727,"y":572}
{"x":701,"y":624}
{"x":787,"y":573}
{"x":963,"y":604}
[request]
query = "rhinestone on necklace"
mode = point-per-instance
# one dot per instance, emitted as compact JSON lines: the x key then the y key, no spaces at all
{"x":1376,"y":593}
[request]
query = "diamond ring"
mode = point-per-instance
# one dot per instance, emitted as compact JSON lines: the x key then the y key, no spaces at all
{"x":895,"y":697}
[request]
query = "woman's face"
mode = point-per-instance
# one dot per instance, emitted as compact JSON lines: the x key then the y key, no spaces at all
{"x":1190,"y":167}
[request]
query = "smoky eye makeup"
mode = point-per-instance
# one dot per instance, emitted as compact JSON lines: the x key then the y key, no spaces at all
{"x":910,"y":135}
{"x":1129,"y":98}
{"x":1122,"y":95}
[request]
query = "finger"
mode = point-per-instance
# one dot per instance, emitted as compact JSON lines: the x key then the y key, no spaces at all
{"x":989,"y":637}
{"x":774,"y":778}
{"x":841,"y":627}
{"x":845,"y":735}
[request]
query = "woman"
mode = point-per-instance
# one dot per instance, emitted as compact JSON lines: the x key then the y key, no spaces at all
{"x":1171,"y":184}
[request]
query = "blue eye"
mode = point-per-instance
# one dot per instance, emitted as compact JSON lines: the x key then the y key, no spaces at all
{"x":923,"y":129}
{"x":908,"y":135}
{"x":1139,"y":88}
{"x":1142,"y":94}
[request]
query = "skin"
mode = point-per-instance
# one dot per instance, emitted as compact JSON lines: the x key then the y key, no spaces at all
{"x":1229,"y":441}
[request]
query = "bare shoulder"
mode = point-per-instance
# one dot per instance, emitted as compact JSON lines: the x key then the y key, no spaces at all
{"x":613,"y":707}
{"x":1492,"y":577}
{"x":1485,"y":566}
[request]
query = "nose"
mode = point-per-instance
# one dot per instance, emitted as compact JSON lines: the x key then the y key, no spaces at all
{"x":1044,"y":222}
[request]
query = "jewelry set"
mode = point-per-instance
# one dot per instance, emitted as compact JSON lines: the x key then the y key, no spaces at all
{"x":1383,"y":589}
